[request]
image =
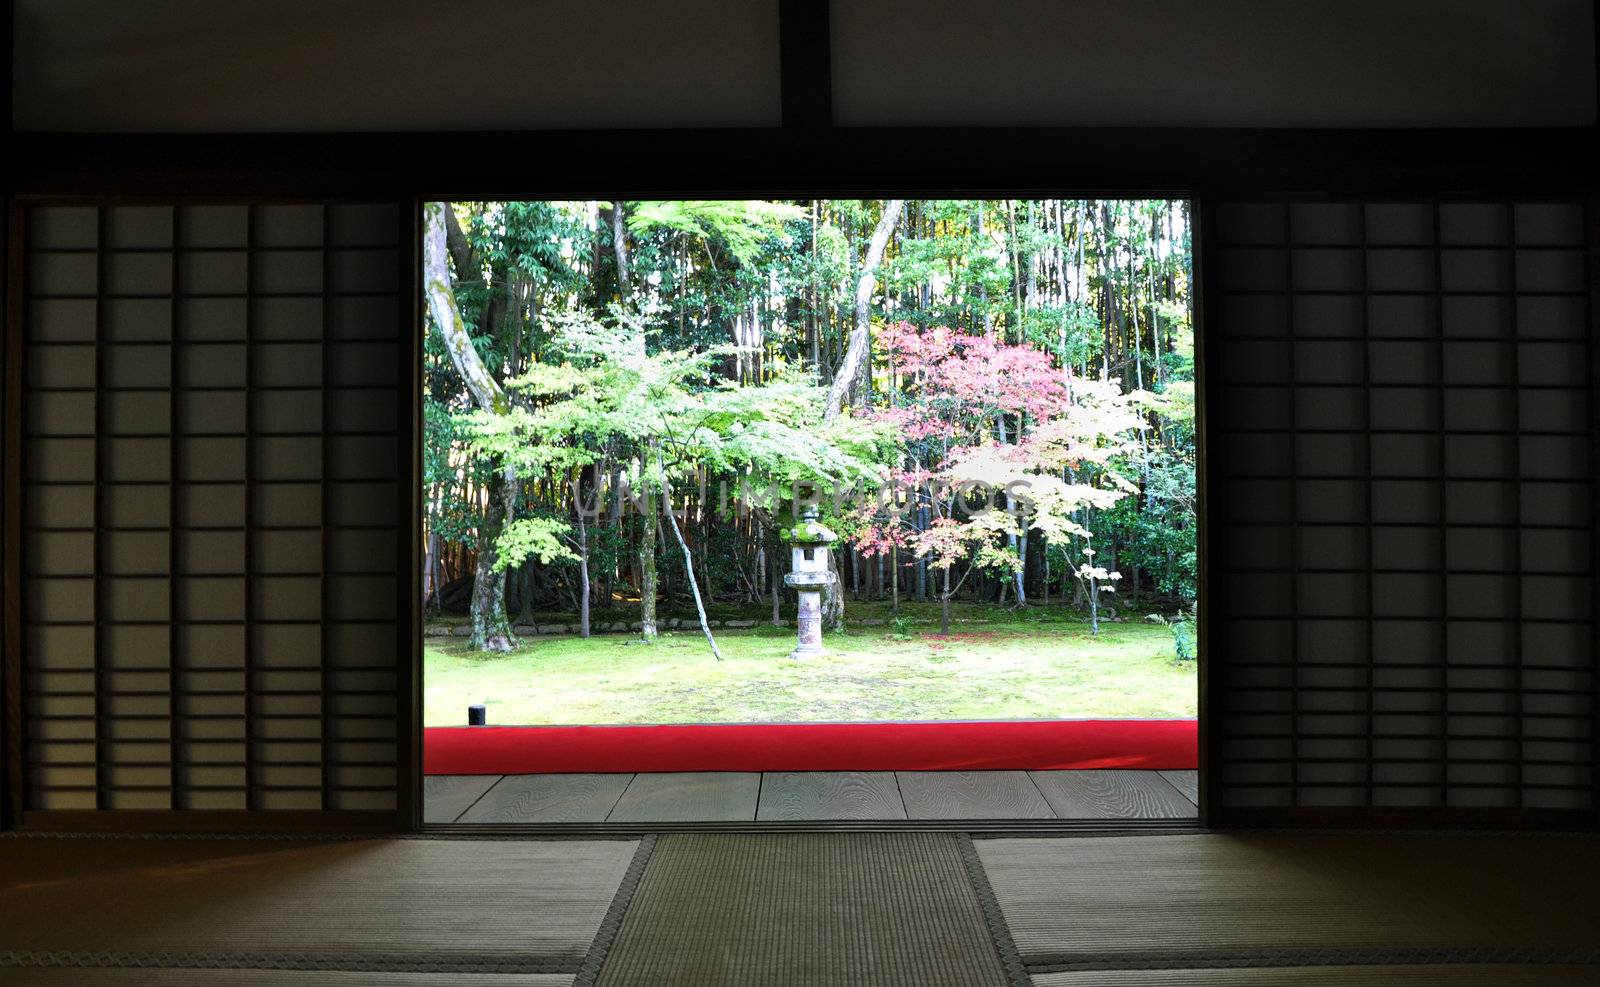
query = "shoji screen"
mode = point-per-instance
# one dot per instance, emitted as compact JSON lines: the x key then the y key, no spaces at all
{"x":214,"y":474}
{"x":1400,"y":436}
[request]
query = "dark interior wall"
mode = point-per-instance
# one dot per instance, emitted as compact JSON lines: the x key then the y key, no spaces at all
{"x":1223,"y":63}
{"x":324,"y":65}
{"x":194,"y":66}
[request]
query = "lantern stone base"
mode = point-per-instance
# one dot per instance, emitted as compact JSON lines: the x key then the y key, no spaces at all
{"x":809,"y":626}
{"x":809,"y":542}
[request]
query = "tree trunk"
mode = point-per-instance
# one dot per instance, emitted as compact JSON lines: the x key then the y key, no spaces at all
{"x":1094,"y":607}
{"x":608,"y":585}
{"x":706,"y":522}
{"x":647,"y":554}
{"x":813,"y":325}
{"x":855,"y":372}
{"x":774,"y":581}
{"x":922,"y":560}
{"x":894,"y":580}
{"x":524,"y":591}
{"x":1021,"y":575}
{"x":651,"y":472}
{"x":583,"y":575}
{"x":430,"y":572}
{"x":832,"y":596}
{"x":944,"y":604}
{"x":619,"y":245}
{"x":688,"y":568}
{"x":490,"y":629}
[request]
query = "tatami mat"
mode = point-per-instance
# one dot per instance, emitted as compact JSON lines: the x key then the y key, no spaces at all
{"x":1101,"y":901}
{"x":798,"y":909}
{"x":145,"y":977}
{"x":522,"y":906}
{"x":886,"y":909}
{"x":1391,"y":975}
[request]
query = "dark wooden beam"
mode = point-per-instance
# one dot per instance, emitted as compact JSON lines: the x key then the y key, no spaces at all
{"x":211,"y":821}
{"x":837,"y":162}
{"x":8,"y":39}
{"x":1380,"y":817}
{"x":10,"y":605}
{"x":805,"y":48}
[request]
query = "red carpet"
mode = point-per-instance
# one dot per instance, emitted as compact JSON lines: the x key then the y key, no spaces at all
{"x":1040,"y":744}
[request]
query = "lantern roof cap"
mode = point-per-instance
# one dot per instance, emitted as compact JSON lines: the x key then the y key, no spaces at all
{"x":809,"y":531}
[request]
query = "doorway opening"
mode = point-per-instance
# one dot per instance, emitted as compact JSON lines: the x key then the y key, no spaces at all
{"x":751,"y":510}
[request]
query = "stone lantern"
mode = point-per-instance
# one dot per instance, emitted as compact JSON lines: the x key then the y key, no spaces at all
{"x":810,"y":576}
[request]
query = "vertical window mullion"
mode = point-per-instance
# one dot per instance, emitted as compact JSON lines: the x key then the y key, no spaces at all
{"x":1441,"y":504}
{"x":252,"y":795}
{"x":409,"y":465}
{"x":1591,"y":236}
{"x":178,"y":798}
{"x":1371,"y":563}
{"x":1515,"y":427}
{"x":1294,"y":507}
{"x":324,"y":529}
{"x":98,"y":636}
{"x":15,"y":684}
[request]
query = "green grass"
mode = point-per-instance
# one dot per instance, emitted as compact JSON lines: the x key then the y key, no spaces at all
{"x":1010,"y":666}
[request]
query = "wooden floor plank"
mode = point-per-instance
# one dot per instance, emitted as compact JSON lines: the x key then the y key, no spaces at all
{"x":689,"y":796}
{"x":553,"y":798}
{"x":1111,"y":795}
{"x":810,"y":795}
{"x":799,"y":795}
{"x":446,"y":797}
{"x":971,"y":795}
{"x":1187,"y":782}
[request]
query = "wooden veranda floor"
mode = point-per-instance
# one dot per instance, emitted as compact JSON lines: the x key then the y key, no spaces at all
{"x":809,"y":796}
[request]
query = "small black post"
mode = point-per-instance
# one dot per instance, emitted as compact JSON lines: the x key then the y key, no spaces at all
{"x":477,"y":715}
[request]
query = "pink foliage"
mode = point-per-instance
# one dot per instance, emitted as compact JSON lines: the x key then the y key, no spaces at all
{"x":879,"y":539}
{"x":972,"y":405}
{"x":963,"y":392}
{"x":945,"y":543}
{"x":957,"y":385}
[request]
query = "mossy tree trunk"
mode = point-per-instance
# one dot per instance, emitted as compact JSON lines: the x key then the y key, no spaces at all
{"x":648,"y":589}
{"x":853,"y":378}
{"x":491,"y":628}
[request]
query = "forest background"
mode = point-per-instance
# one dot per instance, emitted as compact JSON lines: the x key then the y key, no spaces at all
{"x":597,"y":374}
